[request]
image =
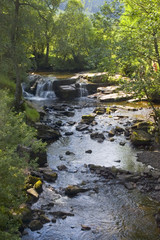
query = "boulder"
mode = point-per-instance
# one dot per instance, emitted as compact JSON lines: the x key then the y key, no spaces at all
{"x":97,"y":136}
{"x":142,"y":125}
{"x":73,"y":190}
{"x":67,"y":92}
{"x":49,"y":175}
{"x":47,"y":133}
{"x":33,"y":193}
{"x":140,"y":137}
{"x":114,"y":97}
{"x":87,"y":119}
{"x":35,"y":225}
{"x":100,"y":110}
{"x":81,"y":127}
{"x":38,"y":186}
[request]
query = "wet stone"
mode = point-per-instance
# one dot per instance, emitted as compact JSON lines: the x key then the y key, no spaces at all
{"x":35,"y":225}
{"x":69,"y":153}
{"x":50,"y":176}
{"x":88,"y":151}
{"x":85,"y":228}
{"x":81,"y":127}
{"x":68,"y":133}
{"x":73,"y":190}
{"x":62,"y":168}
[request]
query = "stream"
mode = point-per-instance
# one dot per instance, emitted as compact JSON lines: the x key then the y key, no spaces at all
{"x":107,"y":210}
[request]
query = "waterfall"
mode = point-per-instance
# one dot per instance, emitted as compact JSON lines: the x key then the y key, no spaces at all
{"x":39,"y":87}
{"x":45,"y":89}
{"x":83,"y":92}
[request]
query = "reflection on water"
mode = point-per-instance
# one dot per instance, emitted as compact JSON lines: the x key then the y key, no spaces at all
{"x":58,"y":75}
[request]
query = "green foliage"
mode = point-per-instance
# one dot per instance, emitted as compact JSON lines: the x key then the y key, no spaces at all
{"x":6,"y":83}
{"x":31,"y":114}
{"x":13,"y":132}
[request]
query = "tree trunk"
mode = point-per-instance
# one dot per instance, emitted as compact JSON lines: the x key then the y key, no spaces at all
{"x":47,"y":51}
{"x":14,"y":38}
{"x":156,"y":48}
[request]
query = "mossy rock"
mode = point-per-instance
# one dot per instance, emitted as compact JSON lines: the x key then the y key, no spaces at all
{"x":100,"y":110}
{"x":140,"y":137}
{"x":50,"y":176}
{"x":35,"y":225}
{"x":38,"y":186}
{"x":145,"y":126}
{"x":73,"y":190}
{"x":88,"y":118}
{"x":32,"y":180}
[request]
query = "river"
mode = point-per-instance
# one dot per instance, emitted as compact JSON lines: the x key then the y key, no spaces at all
{"x":108,"y":210}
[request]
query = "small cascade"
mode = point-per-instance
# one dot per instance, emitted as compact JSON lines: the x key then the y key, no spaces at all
{"x":83,"y":92}
{"x":25,"y":93}
{"x":45,"y":89}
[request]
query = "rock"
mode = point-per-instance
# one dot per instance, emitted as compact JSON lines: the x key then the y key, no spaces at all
{"x":140,"y":137}
{"x":68,"y":113}
{"x":38,"y":186}
{"x":85,"y":228}
{"x":111,"y":139}
{"x":68,"y":133}
{"x":44,"y":219}
{"x":69,"y":153}
{"x":81,"y":127}
{"x":26,"y":214}
{"x":119,"y":129}
{"x":87,"y":119}
{"x":71,"y":123}
{"x":100,"y":110}
{"x":33,"y":193}
{"x":111,"y":133}
{"x":142,"y":125}
{"x":129,"y":185}
{"x":151,"y":158}
{"x":120,"y":96}
{"x":62,"y":168}
{"x":47,"y":133}
{"x":50,"y":176}
{"x":107,"y":90}
{"x":73,"y":190}
{"x":54,"y":220}
{"x":122,"y":143}
{"x":157,"y":188}
{"x":35,"y":225}
{"x":97,"y":136}
{"x":60,"y":214}
{"x":67,"y":91}
{"x":88,"y":151}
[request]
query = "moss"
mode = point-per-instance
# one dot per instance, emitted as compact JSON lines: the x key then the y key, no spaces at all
{"x":32,"y":180}
{"x":38,"y":186}
{"x":31,"y":114}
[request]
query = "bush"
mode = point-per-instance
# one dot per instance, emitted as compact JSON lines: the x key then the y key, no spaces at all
{"x":13,"y":132}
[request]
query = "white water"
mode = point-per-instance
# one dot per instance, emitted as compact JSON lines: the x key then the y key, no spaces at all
{"x":45,"y":90}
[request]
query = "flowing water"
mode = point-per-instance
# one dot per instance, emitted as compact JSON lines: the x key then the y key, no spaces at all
{"x":110,"y":210}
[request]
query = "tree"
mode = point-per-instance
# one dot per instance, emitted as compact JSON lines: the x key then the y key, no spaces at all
{"x":106,"y":24}
{"x":139,"y":32}
{"x":73,"y":35}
